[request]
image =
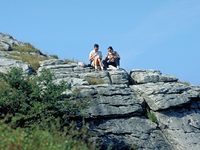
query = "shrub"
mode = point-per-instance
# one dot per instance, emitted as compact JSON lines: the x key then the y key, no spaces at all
{"x":95,"y":81}
{"x":151,"y":116}
{"x":36,"y":115}
{"x":25,"y":139}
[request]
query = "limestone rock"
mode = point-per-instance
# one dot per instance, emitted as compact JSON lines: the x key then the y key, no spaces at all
{"x":72,"y":81}
{"x":164,"y":95}
{"x":4,"y":54}
{"x":7,"y":64}
{"x":119,"y":77}
{"x":5,"y":46}
{"x":111,"y":100}
{"x":79,"y":69}
{"x":181,"y":127}
{"x":102,"y":76}
{"x":10,"y":40}
{"x":167,"y":78}
{"x":150,"y":76}
{"x":52,"y":62}
{"x":59,"y":68}
{"x":137,"y":131}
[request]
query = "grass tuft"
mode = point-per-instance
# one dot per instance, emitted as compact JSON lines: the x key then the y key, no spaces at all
{"x":151,"y":116}
{"x":70,"y":61}
{"x":185,"y":83}
{"x":27,"y":48}
{"x":95,"y":81}
{"x":54,"y":56}
{"x":32,"y":60}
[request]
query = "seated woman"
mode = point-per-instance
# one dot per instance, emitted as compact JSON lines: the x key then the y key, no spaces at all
{"x":95,"y":58}
{"x":113,"y":58}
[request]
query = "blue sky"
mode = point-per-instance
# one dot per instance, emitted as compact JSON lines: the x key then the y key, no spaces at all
{"x":162,"y":35}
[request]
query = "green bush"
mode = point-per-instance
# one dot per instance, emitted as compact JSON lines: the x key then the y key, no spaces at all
{"x":36,"y":115}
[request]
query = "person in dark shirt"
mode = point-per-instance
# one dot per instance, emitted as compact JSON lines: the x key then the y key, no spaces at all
{"x":112,"y":58}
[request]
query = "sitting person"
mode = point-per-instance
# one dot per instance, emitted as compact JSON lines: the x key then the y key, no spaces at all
{"x":95,"y":58}
{"x":113,"y":58}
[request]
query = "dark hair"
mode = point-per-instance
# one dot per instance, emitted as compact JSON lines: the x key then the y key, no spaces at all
{"x":96,"y":45}
{"x":110,"y":47}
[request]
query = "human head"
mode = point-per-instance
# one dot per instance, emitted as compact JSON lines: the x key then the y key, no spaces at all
{"x":96,"y":47}
{"x":110,"y":49}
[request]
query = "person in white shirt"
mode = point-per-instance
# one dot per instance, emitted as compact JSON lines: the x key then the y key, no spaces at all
{"x":95,"y":57}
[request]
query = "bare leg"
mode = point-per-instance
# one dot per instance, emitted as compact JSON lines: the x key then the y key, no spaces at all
{"x":95,"y":64}
{"x":100,"y":64}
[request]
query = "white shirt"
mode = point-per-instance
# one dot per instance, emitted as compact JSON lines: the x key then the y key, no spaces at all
{"x":92,"y":53}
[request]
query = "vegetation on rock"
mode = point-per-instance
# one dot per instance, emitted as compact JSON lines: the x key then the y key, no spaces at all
{"x":95,"y":81}
{"x":151,"y":116}
{"x":36,"y":115}
{"x":185,"y":83}
{"x":26,"y":48}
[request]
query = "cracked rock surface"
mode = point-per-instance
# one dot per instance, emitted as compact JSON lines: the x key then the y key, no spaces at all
{"x":118,"y":114}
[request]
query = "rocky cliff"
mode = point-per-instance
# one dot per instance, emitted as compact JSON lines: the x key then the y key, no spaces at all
{"x":143,"y":108}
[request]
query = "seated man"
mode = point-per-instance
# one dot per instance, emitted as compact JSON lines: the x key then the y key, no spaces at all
{"x":95,"y":58}
{"x":113,"y":58}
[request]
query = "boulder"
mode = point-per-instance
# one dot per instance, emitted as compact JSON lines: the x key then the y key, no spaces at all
{"x":167,"y":78}
{"x":150,"y":76}
{"x":7,"y":64}
{"x":119,"y":77}
{"x":164,"y":95}
{"x":5,"y":46}
{"x":10,"y":40}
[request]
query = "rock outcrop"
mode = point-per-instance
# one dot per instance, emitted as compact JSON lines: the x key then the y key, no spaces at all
{"x":7,"y":64}
{"x":120,"y":103}
{"x":123,"y":103}
{"x":7,"y":41}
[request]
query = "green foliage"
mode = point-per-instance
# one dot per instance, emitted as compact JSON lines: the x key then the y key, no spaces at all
{"x":95,"y":81}
{"x":151,"y":116}
{"x":36,"y":115}
{"x":49,"y":138}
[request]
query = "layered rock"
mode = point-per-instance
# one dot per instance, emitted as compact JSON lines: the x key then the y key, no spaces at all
{"x":150,"y":76}
{"x":7,"y":64}
{"x":118,"y":110}
{"x":7,"y":41}
{"x":164,"y":95}
{"x":120,"y":101}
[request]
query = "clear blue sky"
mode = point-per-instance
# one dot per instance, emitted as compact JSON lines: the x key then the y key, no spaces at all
{"x":163,"y":35}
